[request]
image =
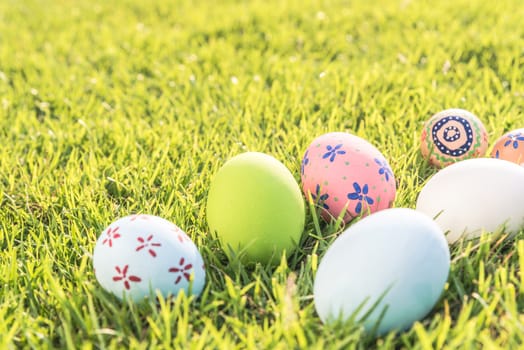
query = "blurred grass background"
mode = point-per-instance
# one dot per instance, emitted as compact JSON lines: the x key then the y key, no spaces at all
{"x":112,"y":108}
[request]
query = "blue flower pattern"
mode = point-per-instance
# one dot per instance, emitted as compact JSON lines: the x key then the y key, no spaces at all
{"x":332,"y":152}
{"x":320,"y":197}
{"x":360,"y":194}
{"x":514,"y":139}
{"x":384,"y":169}
{"x":305,"y":161}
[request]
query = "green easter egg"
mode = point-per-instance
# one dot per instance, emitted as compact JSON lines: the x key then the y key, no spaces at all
{"x":256,"y":208}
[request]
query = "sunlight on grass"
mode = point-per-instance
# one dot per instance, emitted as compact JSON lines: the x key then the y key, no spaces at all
{"x":113,"y":108}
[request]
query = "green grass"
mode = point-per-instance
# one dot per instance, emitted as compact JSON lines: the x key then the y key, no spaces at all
{"x":112,"y":108}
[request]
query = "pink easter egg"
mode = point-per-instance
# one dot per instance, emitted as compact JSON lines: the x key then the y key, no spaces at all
{"x":343,"y":171}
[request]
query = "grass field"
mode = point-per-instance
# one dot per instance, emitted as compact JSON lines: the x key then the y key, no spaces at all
{"x":112,"y":108}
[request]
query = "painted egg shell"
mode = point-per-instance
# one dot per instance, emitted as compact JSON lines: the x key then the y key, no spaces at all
{"x":510,"y":147}
{"x":453,"y":135}
{"x":255,"y":208}
{"x":475,"y":196}
{"x":140,"y":255}
{"x":341,"y":170}
{"x":399,"y":255}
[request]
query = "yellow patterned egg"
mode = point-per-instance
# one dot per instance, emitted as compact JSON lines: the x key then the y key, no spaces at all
{"x":453,"y":135}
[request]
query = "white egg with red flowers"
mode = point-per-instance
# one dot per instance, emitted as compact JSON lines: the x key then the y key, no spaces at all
{"x":140,"y":255}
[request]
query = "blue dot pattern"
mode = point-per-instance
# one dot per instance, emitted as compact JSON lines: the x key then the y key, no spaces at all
{"x":452,"y":133}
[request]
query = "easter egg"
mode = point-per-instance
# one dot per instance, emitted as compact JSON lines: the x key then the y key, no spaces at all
{"x":140,"y":255}
{"x":473,"y":196}
{"x":255,"y":207}
{"x":395,"y":262}
{"x":453,"y":135}
{"x":346,"y":175}
{"x":510,"y":147}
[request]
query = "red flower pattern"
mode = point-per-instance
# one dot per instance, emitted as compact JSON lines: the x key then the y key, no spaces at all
{"x":139,"y":216}
{"x":122,"y":276}
{"x":182,"y":237}
{"x":182,"y":270}
{"x":146,"y":243}
{"x":111,"y":234}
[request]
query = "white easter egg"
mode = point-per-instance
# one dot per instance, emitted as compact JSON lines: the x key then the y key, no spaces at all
{"x":139,"y":255}
{"x":475,"y":196}
{"x":396,"y":258}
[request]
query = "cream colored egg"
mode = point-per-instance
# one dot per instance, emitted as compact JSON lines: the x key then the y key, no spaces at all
{"x":475,"y":196}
